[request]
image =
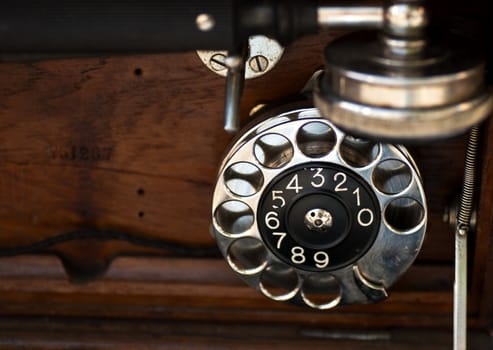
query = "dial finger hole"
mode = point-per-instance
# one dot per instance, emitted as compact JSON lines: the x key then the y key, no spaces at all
{"x":234,"y":217}
{"x":243,"y":179}
{"x":392,"y":176}
{"x":403,"y":215}
{"x":316,"y":139}
{"x":279,"y":282}
{"x":247,"y":256}
{"x":273,"y":151}
{"x":321,"y":291}
{"x":358,"y":152}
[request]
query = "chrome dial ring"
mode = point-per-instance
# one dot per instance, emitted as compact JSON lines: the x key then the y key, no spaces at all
{"x":300,"y":161}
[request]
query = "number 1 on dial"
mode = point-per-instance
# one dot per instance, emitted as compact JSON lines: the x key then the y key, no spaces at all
{"x":358,"y":198}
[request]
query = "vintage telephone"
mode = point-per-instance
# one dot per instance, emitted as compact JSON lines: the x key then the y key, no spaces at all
{"x":308,"y":213}
{"x":316,"y":202}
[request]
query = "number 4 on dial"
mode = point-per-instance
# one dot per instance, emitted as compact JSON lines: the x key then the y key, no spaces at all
{"x":294,"y":185}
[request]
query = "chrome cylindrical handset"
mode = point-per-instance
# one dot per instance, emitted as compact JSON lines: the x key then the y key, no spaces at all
{"x":309,"y":215}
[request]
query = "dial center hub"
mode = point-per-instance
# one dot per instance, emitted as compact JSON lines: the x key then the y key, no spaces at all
{"x":318,"y":219}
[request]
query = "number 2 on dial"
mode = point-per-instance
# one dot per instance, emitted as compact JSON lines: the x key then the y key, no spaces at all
{"x":339,"y":187}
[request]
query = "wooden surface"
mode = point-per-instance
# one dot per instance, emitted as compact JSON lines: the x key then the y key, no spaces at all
{"x":57,"y":334}
{"x":204,"y":289}
{"x":128,"y":148}
{"x":87,"y":144}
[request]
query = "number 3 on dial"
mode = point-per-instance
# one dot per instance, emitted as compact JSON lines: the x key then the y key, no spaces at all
{"x":318,"y":175}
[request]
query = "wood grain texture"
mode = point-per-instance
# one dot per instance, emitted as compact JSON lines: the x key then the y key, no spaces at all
{"x":89,"y":144}
{"x":171,"y":288}
{"x":52,"y":333}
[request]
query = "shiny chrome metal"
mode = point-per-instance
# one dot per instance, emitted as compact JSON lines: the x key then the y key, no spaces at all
{"x":318,"y":220}
{"x":369,"y":92}
{"x":372,"y":79}
{"x":234,"y":88}
{"x":350,"y":16}
{"x":404,"y":124}
{"x":405,"y":18}
{"x":398,"y":84}
{"x":460,"y":290}
{"x":466,"y":200}
{"x":366,"y":280}
{"x":464,"y":215}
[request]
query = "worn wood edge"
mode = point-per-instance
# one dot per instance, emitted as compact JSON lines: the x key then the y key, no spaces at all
{"x":162,"y":269}
{"x":52,"y":333}
{"x":196,"y":289}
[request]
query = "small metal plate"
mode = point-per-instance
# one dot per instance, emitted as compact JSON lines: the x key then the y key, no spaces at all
{"x":263,"y":55}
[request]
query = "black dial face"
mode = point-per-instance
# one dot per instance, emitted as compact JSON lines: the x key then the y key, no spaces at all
{"x":319,"y":216}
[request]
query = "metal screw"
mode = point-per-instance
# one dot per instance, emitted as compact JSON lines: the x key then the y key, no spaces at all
{"x":218,"y":62}
{"x":318,"y":220}
{"x":259,"y":64}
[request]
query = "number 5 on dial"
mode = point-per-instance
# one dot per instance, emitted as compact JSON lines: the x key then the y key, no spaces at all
{"x":277,"y":195}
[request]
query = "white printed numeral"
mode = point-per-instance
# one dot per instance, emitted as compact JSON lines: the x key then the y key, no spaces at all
{"x":342,"y":181}
{"x":276,"y":195}
{"x":272,"y":220}
{"x":294,"y":185}
{"x":365,"y":220}
{"x":321,"y":259}
{"x":318,"y":175}
{"x":298,"y":256}
{"x":280,"y":236}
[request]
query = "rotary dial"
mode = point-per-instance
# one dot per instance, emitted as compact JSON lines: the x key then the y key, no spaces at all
{"x":309,"y":215}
